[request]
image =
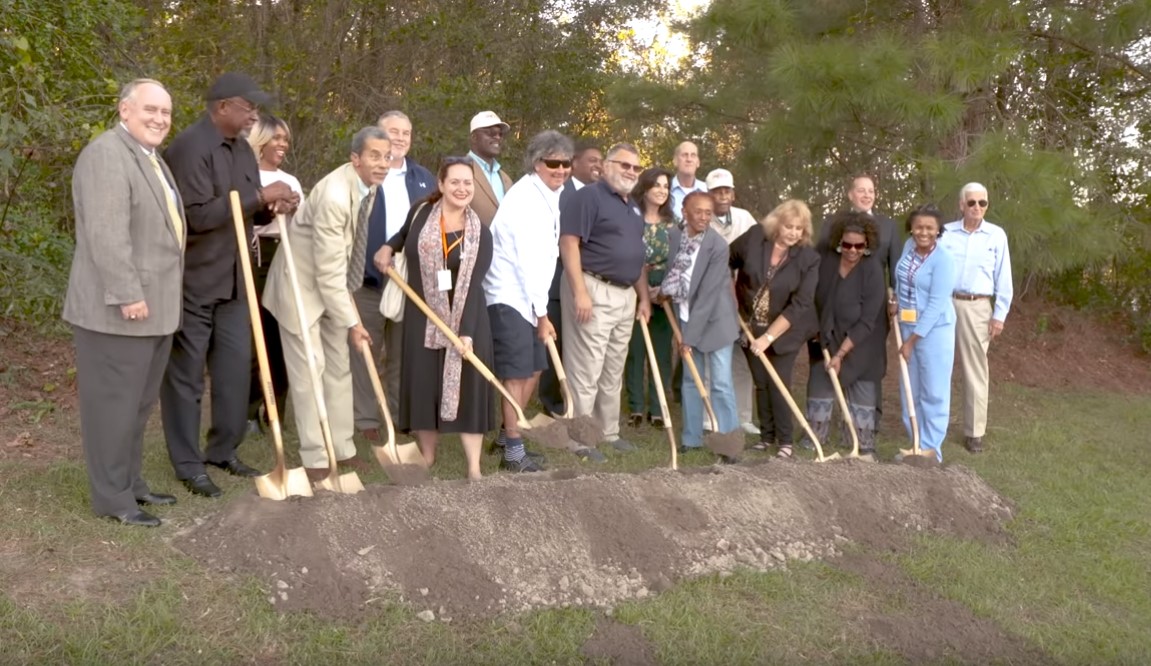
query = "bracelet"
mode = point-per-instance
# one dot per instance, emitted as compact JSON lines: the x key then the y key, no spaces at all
{"x":770,"y":337}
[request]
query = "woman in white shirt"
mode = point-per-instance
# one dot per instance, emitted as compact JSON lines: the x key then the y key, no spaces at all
{"x":270,"y":139}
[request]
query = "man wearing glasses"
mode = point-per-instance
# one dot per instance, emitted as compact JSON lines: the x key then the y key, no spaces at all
{"x":605,"y":290}
{"x":486,"y":141}
{"x":982,"y":298}
{"x":208,"y":160}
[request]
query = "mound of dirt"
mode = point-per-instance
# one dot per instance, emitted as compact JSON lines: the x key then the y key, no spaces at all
{"x":458,"y":549}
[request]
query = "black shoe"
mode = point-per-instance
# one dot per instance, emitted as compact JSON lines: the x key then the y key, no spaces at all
{"x":137,"y":519}
{"x":235,"y":468}
{"x":657,"y":422}
{"x":687,"y":449}
{"x":587,"y":453}
{"x":525,"y":464}
{"x":156,"y":499}
{"x":635,"y":420}
{"x":727,"y":460}
{"x":974,"y":444}
{"x":202,"y":485}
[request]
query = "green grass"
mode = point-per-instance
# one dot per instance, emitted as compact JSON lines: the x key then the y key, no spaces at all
{"x":1073,"y":582}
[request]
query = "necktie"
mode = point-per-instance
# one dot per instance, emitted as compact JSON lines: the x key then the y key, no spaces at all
{"x":173,"y":212}
{"x":360,"y":244}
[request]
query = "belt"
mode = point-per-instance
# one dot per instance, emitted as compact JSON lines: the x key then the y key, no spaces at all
{"x":961,"y":296}
{"x":614,"y":283}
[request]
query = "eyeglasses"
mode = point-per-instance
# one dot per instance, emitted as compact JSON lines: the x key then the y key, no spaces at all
{"x":556,"y":164}
{"x":248,"y":110}
{"x":628,"y":166}
{"x":852,"y":246}
{"x":971,"y":203}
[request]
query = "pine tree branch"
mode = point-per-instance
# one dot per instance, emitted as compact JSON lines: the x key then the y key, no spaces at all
{"x":1123,"y":60}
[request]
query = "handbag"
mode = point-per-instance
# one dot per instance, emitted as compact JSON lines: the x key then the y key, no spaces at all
{"x":392,"y":303}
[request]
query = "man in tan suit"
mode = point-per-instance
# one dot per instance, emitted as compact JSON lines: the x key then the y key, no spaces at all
{"x":486,"y":141}
{"x":124,"y":296}
{"x":328,"y":239}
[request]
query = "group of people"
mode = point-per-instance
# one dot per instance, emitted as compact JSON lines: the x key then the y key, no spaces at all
{"x":575,"y":253}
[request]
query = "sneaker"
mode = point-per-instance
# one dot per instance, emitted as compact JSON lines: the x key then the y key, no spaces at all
{"x":750,"y":428}
{"x":589,"y":454}
{"x":657,"y":422}
{"x":682,"y":450}
{"x":635,"y":420}
{"x":525,"y":464}
{"x":624,"y":446}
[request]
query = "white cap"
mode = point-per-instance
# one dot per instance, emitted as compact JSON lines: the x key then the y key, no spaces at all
{"x":487,"y":119}
{"x":720,"y":178}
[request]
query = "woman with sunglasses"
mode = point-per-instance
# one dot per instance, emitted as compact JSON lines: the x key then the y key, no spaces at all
{"x":652,"y":194}
{"x":924,"y":278}
{"x":849,"y":301}
{"x":449,"y":251}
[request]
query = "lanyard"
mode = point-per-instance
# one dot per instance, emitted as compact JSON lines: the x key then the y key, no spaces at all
{"x":444,"y":239}
{"x":913,"y":267}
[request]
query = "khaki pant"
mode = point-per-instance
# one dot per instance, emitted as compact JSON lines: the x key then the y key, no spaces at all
{"x":330,"y":344}
{"x":595,"y":352}
{"x":972,"y":338}
{"x":387,"y":349}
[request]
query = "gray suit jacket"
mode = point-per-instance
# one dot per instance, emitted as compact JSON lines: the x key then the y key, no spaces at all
{"x":712,"y":323}
{"x":127,"y":248}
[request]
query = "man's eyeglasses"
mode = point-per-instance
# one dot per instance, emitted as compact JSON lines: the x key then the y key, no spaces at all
{"x":852,"y":246}
{"x":248,"y":110}
{"x":971,"y":203}
{"x":556,"y":164}
{"x":628,"y":166}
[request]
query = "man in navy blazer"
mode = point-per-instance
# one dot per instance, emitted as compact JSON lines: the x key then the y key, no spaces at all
{"x":407,"y":183}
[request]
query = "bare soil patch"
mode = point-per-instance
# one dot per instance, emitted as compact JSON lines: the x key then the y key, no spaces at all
{"x":619,"y":644}
{"x":38,"y":421}
{"x":510,"y":544}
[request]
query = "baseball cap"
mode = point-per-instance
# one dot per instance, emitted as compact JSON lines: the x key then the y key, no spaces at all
{"x":487,"y":119}
{"x":720,"y":178}
{"x":235,"y":84}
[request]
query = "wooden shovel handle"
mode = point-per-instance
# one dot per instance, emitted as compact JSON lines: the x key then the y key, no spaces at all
{"x":905,"y":377}
{"x":842,"y":399}
{"x":455,"y":340}
{"x":557,"y":364}
{"x":660,"y":392}
{"x":689,"y":361}
{"x":377,"y":387}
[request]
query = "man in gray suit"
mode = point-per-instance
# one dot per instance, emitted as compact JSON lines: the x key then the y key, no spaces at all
{"x":124,"y":295}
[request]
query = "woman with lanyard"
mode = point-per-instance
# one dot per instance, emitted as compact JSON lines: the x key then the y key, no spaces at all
{"x":775,"y":288}
{"x":449,"y":252}
{"x":925,"y":276}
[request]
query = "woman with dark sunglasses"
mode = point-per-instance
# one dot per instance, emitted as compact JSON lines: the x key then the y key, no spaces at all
{"x":849,"y":300}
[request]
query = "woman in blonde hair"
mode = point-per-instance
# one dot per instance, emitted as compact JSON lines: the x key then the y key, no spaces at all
{"x":270,"y":139}
{"x":775,"y":289}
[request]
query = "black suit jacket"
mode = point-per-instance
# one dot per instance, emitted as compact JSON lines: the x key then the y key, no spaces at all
{"x":792,"y":289}
{"x":207,"y":167}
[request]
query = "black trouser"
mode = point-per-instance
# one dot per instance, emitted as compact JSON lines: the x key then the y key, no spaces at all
{"x":216,"y":335}
{"x":551,"y":397}
{"x":275,"y":349}
{"x":775,"y":418}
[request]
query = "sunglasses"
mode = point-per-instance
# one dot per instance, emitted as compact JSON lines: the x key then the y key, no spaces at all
{"x":972,"y":202}
{"x":628,"y":166}
{"x":556,"y":164}
{"x":852,"y":246}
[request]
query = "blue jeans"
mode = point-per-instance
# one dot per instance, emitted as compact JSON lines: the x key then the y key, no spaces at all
{"x":721,"y":388}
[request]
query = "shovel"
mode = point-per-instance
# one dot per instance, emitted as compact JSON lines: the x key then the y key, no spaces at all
{"x":690,"y":363}
{"x":910,"y":402}
{"x":391,"y":454}
{"x":569,"y":404}
{"x":348,"y":483}
{"x":455,"y":340}
{"x":280,"y":483}
{"x":660,"y":392}
{"x":819,"y":457}
{"x":843,"y":408}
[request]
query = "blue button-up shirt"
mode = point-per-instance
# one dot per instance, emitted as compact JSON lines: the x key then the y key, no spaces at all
{"x":679,"y":193}
{"x":492,"y":171}
{"x":982,"y":262}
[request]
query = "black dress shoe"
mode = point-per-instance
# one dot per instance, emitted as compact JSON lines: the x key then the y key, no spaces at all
{"x":974,"y":444}
{"x":137,"y":519}
{"x":235,"y":468}
{"x":156,"y":499}
{"x":202,"y":485}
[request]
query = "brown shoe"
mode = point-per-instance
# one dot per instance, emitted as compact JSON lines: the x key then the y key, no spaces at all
{"x":974,"y":444}
{"x":316,"y":473}
{"x":371,"y":434}
{"x":357,"y":464}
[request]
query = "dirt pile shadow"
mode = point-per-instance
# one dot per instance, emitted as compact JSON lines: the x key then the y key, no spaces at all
{"x":458,"y":549}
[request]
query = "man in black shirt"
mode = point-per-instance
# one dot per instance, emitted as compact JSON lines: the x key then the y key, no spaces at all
{"x":208,"y":160}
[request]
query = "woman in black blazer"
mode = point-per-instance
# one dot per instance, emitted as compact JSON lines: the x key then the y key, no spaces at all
{"x":775,"y":288}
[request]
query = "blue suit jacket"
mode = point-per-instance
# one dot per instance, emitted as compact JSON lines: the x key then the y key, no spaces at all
{"x":421,"y":183}
{"x":933,"y":284}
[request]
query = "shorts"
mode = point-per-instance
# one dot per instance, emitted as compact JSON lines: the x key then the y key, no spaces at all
{"x":519,"y":352}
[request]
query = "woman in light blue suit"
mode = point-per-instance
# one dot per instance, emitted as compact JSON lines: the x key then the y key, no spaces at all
{"x":925,"y":276}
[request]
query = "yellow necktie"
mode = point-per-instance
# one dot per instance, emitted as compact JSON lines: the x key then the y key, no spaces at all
{"x":173,"y":212}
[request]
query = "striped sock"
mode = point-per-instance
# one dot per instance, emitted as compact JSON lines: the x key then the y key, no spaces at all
{"x":514,"y":451}
{"x":502,"y":440}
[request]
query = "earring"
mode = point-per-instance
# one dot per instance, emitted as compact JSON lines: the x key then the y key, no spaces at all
{"x":838,"y":250}
{"x":866,"y":252}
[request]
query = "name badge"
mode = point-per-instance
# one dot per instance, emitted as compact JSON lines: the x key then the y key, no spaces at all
{"x":908,"y":316}
{"x":444,"y":280}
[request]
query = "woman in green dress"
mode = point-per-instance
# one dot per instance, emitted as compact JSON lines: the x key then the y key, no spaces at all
{"x":652,"y":194}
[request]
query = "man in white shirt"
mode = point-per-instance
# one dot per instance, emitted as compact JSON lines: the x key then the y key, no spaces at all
{"x":731,"y":223}
{"x":686,"y":164}
{"x":525,"y":238}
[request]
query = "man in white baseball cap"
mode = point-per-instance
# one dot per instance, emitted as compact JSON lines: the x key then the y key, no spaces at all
{"x":486,"y":141}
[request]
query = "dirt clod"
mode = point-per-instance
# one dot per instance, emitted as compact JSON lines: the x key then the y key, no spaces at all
{"x":584,"y":430}
{"x":552,"y":436}
{"x":726,"y":444}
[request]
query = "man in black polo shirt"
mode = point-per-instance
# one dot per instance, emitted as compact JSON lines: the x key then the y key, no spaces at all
{"x":604,"y":290}
{"x":208,"y":160}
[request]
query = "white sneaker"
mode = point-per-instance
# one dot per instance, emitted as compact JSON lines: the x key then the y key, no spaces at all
{"x":750,"y":428}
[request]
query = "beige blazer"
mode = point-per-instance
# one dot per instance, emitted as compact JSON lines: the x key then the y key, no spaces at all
{"x":127,"y":248}
{"x":484,"y":202}
{"x":322,"y":233}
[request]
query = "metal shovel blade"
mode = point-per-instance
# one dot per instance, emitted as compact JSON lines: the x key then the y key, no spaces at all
{"x":348,"y":483}
{"x":283,"y":483}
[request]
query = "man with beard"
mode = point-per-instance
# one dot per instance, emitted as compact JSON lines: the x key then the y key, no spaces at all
{"x":601,"y":244}
{"x":486,"y":141}
{"x":209,"y":160}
